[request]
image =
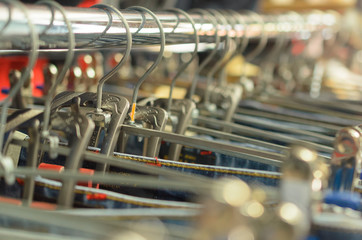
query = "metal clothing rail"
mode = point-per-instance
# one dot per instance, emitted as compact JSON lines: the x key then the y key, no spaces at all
{"x":90,"y":23}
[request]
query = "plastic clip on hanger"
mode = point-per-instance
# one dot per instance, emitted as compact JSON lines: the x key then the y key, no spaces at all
{"x":5,"y":161}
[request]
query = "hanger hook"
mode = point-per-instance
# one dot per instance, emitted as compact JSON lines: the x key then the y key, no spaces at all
{"x":124,"y":58}
{"x":67,"y":62}
{"x":6,"y":162}
{"x":245,"y":40}
{"x":155,"y":63}
{"x":186,"y":64}
{"x":33,"y":56}
{"x":240,"y":43}
{"x":270,"y":60}
{"x":214,"y":23}
{"x":261,"y":45}
{"x":109,"y":24}
{"x":224,"y":52}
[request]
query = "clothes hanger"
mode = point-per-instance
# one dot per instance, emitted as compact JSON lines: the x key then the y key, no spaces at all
{"x":234,"y":94}
{"x":227,"y":96}
{"x":152,"y":116}
{"x":294,"y":17}
{"x":259,"y":132}
{"x":119,"y":112}
{"x":5,"y":161}
{"x":86,"y":126}
{"x":206,"y":104}
{"x":241,"y":118}
{"x":107,"y":110}
{"x":213,"y":52}
{"x":268,"y":73}
{"x":256,"y":51}
{"x":122,"y":161}
{"x":35,"y":137}
{"x":311,"y":106}
{"x":228,"y":136}
{"x":67,"y":63}
{"x":175,"y":155}
{"x":179,"y":111}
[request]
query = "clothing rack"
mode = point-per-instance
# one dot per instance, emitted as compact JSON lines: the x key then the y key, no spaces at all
{"x":225,"y":162}
{"x":90,"y":23}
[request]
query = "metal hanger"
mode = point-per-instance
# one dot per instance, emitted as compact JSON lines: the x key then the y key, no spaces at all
{"x":227,"y":96}
{"x":258,"y":132}
{"x":241,"y":40}
{"x":35,"y":137}
{"x":313,"y":105}
{"x":67,"y":63}
{"x":254,"y":53}
{"x":267,"y":75}
{"x":119,"y":161}
{"x":121,"y":62}
{"x":206,"y":98}
{"x":279,"y":44}
{"x":116,"y":104}
{"x":152,"y":116}
{"x":85,"y":125}
{"x":234,"y":137}
{"x":153,"y":66}
{"x":185,"y":65}
{"x":209,"y":57}
{"x":5,"y":161}
{"x":179,"y":110}
{"x":269,"y":62}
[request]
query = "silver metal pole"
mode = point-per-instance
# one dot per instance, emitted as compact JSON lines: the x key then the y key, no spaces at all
{"x":89,"y":24}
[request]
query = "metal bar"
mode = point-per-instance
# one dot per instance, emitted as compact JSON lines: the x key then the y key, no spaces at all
{"x":124,"y":163}
{"x":89,"y":24}
{"x":238,"y":128}
{"x":237,"y":138}
{"x":274,"y":159}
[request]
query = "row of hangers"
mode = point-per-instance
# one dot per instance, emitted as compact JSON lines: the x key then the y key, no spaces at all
{"x":72,"y":123}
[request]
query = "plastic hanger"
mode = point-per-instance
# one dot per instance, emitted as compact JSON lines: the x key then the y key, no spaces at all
{"x":5,"y":161}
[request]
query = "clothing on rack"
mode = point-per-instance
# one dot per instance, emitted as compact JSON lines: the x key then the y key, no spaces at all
{"x":270,"y":150}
